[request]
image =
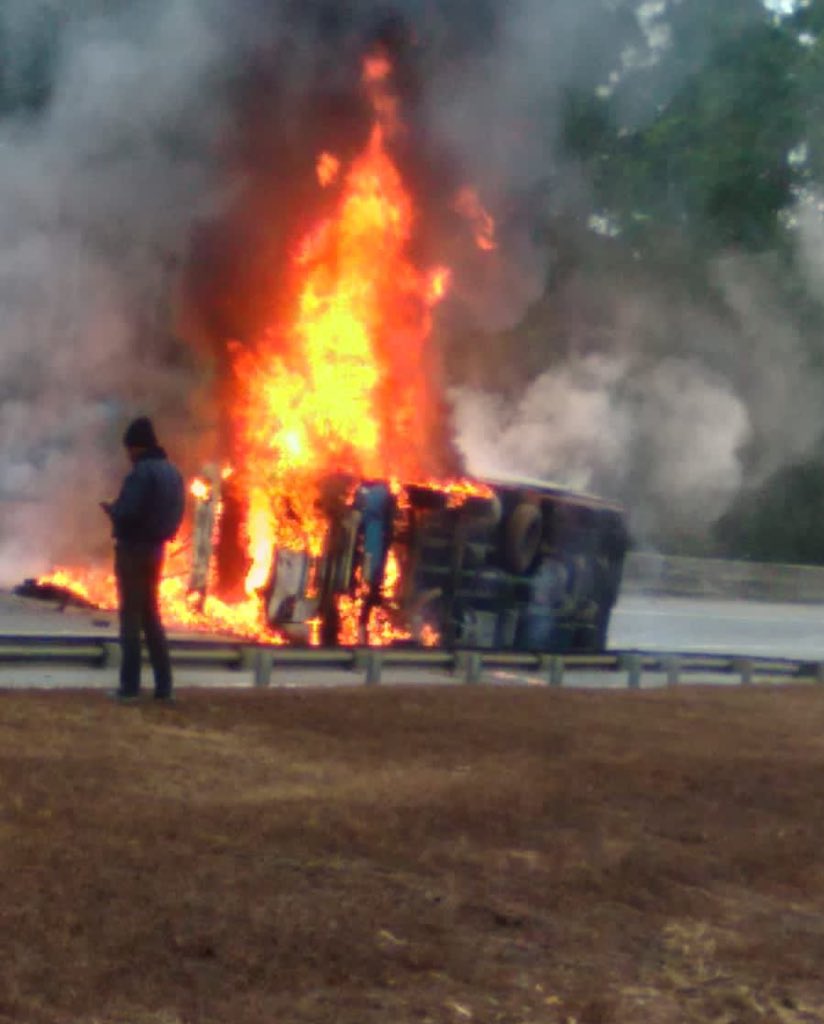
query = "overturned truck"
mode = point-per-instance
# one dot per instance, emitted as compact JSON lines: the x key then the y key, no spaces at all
{"x":518,"y":565}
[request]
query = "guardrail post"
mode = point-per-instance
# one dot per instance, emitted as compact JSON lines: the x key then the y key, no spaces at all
{"x":634,"y":665}
{"x":744,"y":667}
{"x":473,"y":668}
{"x":112,"y":654}
{"x":552,"y":666}
{"x":263,"y":667}
{"x":672,"y":666}
{"x":374,"y":664}
{"x":819,"y":673}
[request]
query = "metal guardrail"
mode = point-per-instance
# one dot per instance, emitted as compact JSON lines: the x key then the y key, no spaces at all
{"x":647,"y":572}
{"x":468,"y":666}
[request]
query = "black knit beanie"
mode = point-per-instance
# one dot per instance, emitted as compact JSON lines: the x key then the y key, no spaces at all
{"x":140,"y":434}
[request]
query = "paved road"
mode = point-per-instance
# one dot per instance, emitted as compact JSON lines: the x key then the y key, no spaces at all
{"x":729,"y":627}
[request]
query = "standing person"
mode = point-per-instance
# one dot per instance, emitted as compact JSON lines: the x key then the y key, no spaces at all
{"x":147,"y":513}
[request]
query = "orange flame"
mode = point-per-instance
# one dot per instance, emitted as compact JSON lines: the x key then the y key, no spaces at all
{"x":200,"y":489}
{"x":344,"y":385}
{"x":468,"y":205}
{"x":327,"y":170}
{"x":376,"y":68}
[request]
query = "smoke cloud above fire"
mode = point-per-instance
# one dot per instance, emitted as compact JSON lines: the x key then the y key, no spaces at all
{"x":110,"y":117}
{"x":671,"y":406}
{"x":157,"y":165}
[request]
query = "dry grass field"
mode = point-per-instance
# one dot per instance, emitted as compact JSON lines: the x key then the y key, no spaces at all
{"x":422,"y":855}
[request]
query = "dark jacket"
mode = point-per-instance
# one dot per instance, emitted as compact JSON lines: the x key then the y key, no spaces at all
{"x":149,"y":508}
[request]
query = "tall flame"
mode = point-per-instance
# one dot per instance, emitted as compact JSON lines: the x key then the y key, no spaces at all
{"x":469,"y":205}
{"x":345,"y":384}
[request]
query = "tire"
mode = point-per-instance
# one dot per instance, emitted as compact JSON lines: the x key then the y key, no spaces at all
{"x":522,"y":538}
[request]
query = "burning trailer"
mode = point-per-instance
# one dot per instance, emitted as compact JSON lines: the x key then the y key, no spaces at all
{"x":513,"y":565}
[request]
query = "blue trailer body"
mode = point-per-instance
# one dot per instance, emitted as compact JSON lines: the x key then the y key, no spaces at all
{"x":518,"y":565}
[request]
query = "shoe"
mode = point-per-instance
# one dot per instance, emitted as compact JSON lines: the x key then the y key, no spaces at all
{"x":164,"y":698}
{"x":123,"y":698}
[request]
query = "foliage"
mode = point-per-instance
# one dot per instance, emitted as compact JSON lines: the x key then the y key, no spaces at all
{"x":28,"y":56}
{"x":779,"y":522}
{"x":712,"y":160}
{"x":701,"y":150}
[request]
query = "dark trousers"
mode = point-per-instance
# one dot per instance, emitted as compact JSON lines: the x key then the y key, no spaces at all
{"x":138,"y":578}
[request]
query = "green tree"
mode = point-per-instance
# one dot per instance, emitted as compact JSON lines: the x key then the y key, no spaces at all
{"x":713,"y":161}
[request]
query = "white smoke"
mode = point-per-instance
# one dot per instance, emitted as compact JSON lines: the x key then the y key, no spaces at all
{"x":500,"y":115}
{"x":671,"y":406}
{"x":568,"y":426}
{"x":611,"y":424}
{"x":101,"y":180}
{"x":671,"y":395}
{"x":775,"y":374}
{"x":808,"y":217}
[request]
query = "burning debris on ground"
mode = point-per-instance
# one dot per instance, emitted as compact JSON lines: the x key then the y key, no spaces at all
{"x":63,"y":596}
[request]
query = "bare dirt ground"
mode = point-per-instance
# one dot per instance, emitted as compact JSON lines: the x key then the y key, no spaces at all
{"x":431,"y":855}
